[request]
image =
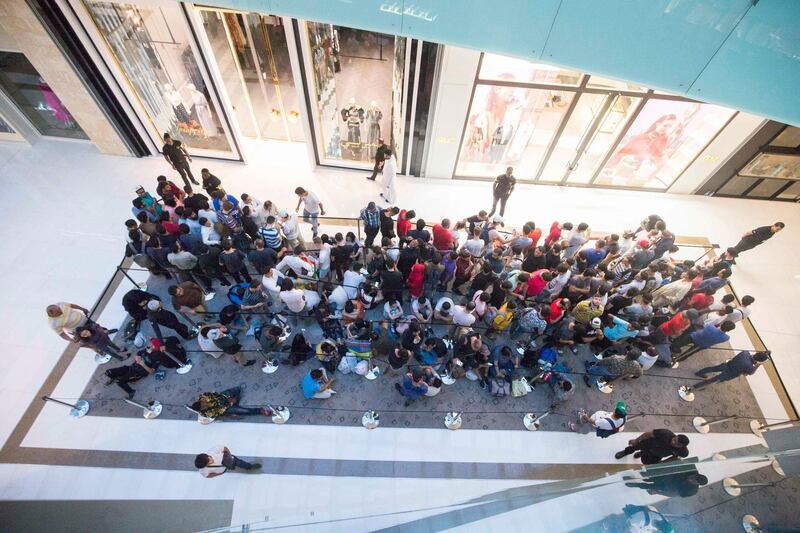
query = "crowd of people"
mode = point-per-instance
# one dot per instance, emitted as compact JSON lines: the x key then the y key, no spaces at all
{"x":423,"y":303}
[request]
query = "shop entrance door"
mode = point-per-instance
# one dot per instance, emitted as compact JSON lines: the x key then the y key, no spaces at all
{"x":252,"y":55}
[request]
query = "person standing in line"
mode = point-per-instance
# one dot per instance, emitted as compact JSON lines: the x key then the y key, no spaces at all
{"x":757,"y":236}
{"x":64,"y":318}
{"x":380,"y":158}
{"x":370,"y":216}
{"x":219,"y":460}
{"x":312,"y":208}
{"x":211,"y":183}
{"x":501,"y":190}
{"x":159,"y":316}
{"x":389,"y":177}
{"x":176,"y":155}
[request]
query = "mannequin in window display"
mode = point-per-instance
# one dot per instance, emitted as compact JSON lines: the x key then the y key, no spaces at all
{"x":649,"y":145}
{"x":373,"y":117}
{"x":353,"y":115}
{"x":477,"y":140}
{"x":500,"y":139}
{"x":202,"y":111}
{"x":178,"y":108}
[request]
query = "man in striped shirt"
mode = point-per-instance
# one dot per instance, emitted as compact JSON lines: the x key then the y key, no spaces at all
{"x":271,"y":235}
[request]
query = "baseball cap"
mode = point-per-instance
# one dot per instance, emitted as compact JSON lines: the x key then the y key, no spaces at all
{"x":282,"y":213}
{"x":596,"y":322}
{"x":153,"y":305}
{"x":644,"y":243}
{"x":497,"y":219}
{"x":156,"y":343}
{"x":620,"y":407}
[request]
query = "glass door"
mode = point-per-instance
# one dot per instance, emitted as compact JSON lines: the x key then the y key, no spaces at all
{"x":149,"y":47}
{"x":252,"y":55}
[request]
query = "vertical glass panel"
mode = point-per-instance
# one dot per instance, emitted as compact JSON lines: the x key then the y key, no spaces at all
{"x":736,"y":186}
{"x":355,"y":81}
{"x":792,"y":193}
{"x":228,"y":54}
{"x":34,"y":98}
{"x":665,"y":137}
{"x":788,"y":138}
{"x":767,"y":188}
{"x":278,"y":69}
{"x":152,"y":48}
{"x":603,"y":138}
{"x":398,"y":68}
{"x":502,"y":68}
{"x":598,"y":82}
{"x":773,"y":166}
{"x":574,"y":133}
{"x":510,"y":126}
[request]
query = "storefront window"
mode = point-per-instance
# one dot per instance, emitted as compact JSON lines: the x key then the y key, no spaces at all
{"x":502,"y":68}
{"x":597,"y":82}
{"x":788,"y":138}
{"x":764,"y":165}
{"x":357,"y":82}
{"x":34,"y":98}
{"x":510,"y":126}
{"x":152,"y":48}
{"x":665,"y":137}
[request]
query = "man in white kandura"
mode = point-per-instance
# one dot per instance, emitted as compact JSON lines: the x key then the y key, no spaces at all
{"x":389,"y":176}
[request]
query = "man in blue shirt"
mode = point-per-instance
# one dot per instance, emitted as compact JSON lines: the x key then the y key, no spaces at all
{"x":743,"y":364}
{"x":596,"y":254}
{"x":700,"y":339}
{"x":371,"y":217}
{"x":413,"y":387}
{"x":316,"y":385}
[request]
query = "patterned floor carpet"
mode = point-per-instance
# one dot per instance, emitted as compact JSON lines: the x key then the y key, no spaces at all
{"x":654,"y":394}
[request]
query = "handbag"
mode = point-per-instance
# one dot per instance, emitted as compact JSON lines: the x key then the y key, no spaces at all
{"x":519,"y":387}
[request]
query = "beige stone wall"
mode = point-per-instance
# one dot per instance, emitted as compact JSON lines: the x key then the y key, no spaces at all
{"x":32,"y":39}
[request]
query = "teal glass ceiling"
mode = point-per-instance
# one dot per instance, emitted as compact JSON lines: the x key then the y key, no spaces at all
{"x":744,"y":54}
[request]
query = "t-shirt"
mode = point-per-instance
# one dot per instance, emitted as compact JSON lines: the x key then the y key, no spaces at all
{"x":606,"y":420}
{"x":216,"y":466}
{"x":760,"y":235}
{"x":661,"y":444}
{"x":674,"y":325}
{"x":709,"y":336}
{"x":392,"y":280}
{"x":294,"y":300}
{"x":474,"y":247}
{"x":310,"y":386}
{"x":69,"y":320}
{"x":442,"y":238}
{"x":504,"y":184}
{"x":594,"y":256}
{"x":311,"y":203}
{"x":742,"y":363}
{"x":271,"y":237}
{"x":462,"y":317}
{"x":403,"y":224}
{"x":174,"y":153}
{"x":443,"y":300}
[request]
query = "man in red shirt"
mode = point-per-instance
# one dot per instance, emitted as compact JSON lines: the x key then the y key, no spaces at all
{"x":535,"y":234}
{"x":404,"y":222}
{"x":678,"y":323}
{"x":537,"y":282}
{"x":702,"y":300}
{"x":442,"y":237}
{"x":558,"y":307}
{"x":554,"y":235}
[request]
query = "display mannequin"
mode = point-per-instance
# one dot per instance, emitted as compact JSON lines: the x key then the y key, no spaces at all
{"x":353,"y":115}
{"x":202,"y":111}
{"x":178,"y":108}
{"x":500,"y":139}
{"x":373,"y":116}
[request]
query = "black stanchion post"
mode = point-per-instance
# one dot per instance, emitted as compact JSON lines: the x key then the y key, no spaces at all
{"x":124,"y":273}
{"x":77,"y":410}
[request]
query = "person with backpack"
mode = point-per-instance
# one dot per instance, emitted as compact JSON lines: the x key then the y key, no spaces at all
{"x":604,"y":423}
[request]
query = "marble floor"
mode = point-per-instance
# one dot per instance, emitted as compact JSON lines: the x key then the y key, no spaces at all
{"x":64,"y":223}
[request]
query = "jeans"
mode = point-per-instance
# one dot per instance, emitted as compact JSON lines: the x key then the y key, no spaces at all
{"x":595,"y":372}
{"x":184,"y":170}
{"x":311,"y":218}
{"x":502,"y":198}
{"x":371,"y":233}
{"x":231,"y":462}
{"x":237,"y":276}
{"x":725,"y":374}
{"x":236,"y":409}
{"x":113,"y":350}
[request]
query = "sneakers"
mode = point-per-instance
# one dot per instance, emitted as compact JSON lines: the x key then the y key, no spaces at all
{"x":250,"y":362}
{"x":266,"y":411}
{"x":398,"y":388}
{"x":620,"y":455}
{"x":255,"y":466}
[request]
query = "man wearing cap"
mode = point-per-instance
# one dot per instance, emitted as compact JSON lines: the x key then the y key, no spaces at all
{"x":603,"y":422}
{"x":656,"y":446}
{"x":148,"y":203}
{"x":159,"y":316}
{"x":370,"y":216}
{"x":291,"y":230}
{"x":502,"y":188}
